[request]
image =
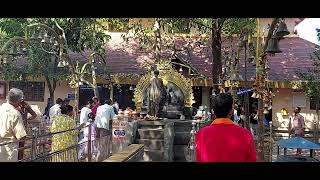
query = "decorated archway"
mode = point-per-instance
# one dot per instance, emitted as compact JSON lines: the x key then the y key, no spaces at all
{"x":168,"y":74}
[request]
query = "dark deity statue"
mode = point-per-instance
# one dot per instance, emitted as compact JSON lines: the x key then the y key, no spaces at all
{"x":157,"y":95}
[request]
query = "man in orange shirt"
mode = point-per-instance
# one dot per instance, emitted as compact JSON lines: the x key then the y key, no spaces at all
{"x":223,"y":140}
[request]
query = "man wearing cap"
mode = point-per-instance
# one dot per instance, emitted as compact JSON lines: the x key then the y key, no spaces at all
{"x":223,"y":140}
{"x":11,"y":126}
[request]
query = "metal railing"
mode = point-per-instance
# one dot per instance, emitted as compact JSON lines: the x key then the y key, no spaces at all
{"x":191,"y":156}
{"x":37,"y":147}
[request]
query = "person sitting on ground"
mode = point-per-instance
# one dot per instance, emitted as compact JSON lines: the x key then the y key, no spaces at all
{"x":223,"y":140}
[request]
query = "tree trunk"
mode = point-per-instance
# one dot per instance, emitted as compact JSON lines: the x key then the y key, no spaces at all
{"x":216,"y":52}
{"x":51,"y":88}
{"x":316,"y":129}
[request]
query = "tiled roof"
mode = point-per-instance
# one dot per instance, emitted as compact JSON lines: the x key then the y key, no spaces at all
{"x":295,"y":57}
{"x":128,"y":57}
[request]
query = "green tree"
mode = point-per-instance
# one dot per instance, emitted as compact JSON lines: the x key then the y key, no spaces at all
{"x":311,"y":83}
{"x":80,"y":34}
{"x":162,"y":34}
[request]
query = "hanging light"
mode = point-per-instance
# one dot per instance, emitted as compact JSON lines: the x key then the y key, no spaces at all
{"x":265,"y":111}
{"x":51,"y":41}
{"x":45,"y":35}
{"x":40,"y":35}
{"x":65,"y":63}
{"x":235,"y":77}
{"x":45,"y":38}
{"x":56,"y":43}
{"x":213,"y":92}
{"x":13,"y":50}
{"x":254,"y":95}
{"x":251,"y":59}
{"x":60,"y":64}
{"x":33,"y":36}
{"x":222,"y":90}
{"x":180,"y":70}
{"x":266,"y":66}
{"x":23,"y":49}
{"x":131,"y":88}
{"x":72,"y":82}
{"x":258,"y":96}
{"x":80,"y":83}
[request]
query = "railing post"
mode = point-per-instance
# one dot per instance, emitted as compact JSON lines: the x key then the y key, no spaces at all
{"x":192,"y":144}
{"x":315,"y":131}
{"x":34,"y":143}
{"x":89,"y":143}
{"x":271,"y":142}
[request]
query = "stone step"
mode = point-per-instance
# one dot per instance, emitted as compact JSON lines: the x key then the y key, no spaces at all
{"x":152,"y":144}
{"x":151,"y":127}
{"x":151,"y":123}
{"x":153,"y":155}
{"x":182,"y":138}
{"x":151,"y":133}
{"x":183,"y":127}
{"x":180,"y":153}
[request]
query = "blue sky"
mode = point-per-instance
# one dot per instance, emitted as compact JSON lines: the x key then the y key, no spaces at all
{"x":307,"y":29}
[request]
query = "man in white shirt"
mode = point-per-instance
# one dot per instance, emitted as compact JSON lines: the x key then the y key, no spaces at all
{"x":55,"y":110}
{"x":103,"y":120}
{"x":11,"y":126}
{"x":84,"y":118}
{"x":116,"y":106}
{"x":84,"y":133}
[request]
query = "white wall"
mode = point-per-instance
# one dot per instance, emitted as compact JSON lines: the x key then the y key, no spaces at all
{"x":307,"y":29}
{"x":61,"y":91}
{"x":284,"y":99}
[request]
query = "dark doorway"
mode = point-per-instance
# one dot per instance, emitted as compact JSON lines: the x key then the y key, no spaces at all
{"x":124,"y":96}
{"x":197,"y":94}
{"x":86,"y":93}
